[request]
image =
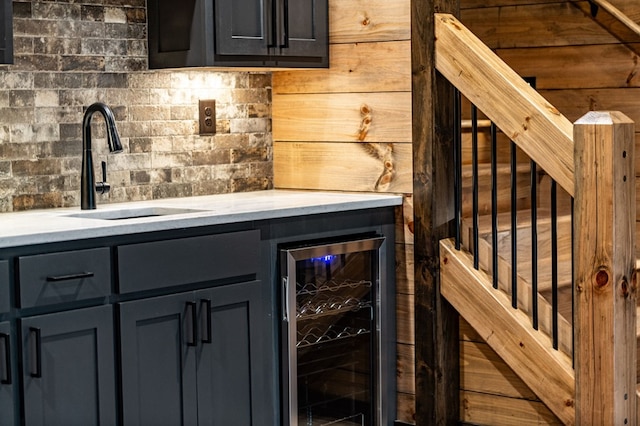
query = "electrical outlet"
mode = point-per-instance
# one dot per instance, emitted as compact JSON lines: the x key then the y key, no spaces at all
{"x":207,"y":116}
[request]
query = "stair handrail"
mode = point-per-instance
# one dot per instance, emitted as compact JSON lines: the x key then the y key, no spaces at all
{"x":520,"y":112}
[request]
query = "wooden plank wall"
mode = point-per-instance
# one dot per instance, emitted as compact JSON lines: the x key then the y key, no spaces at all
{"x":579,"y":66}
{"x":348,"y":128}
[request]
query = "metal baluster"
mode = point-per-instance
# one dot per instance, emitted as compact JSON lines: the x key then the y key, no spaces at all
{"x":474,"y":165}
{"x":514,"y":227}
{"x":554,"y":263}
{"x":457,"y":160}
{"x":534,"y":245}
{"x":494,"y":201}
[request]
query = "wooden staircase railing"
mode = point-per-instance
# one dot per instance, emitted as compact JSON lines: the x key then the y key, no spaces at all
{"x":593,"y":161}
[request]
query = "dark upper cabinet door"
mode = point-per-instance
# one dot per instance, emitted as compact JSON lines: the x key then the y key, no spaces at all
{"x":242,"y":27}
{"x":305,"y":33}
{"x":7,"y":377}
{"x":6,"y":32}
{"x":179,"y":32}
{"x":158,"y":361}
{"x":68,"y":368}
{"x":233,"y":369}
{"x":238,"y":33}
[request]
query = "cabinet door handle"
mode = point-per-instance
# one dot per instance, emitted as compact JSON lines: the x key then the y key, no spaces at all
{"x":79,"y":275}
{"x":206,"y":309}
{"x":285,"y":299}
{"x":192,"y":318}
{"x":7,"y":359}
{"x":284,"y":15}
{"x":35,"y":345}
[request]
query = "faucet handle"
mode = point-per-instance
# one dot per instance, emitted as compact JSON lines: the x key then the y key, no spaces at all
{"x":103,"y":187}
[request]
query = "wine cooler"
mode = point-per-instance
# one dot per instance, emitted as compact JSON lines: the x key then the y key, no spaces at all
{"x":332,"y":331}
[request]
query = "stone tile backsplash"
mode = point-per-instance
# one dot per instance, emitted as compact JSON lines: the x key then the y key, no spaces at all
{"x":71,"y":53}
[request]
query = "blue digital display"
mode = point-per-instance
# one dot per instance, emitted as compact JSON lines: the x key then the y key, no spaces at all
{"x":325,"y":259}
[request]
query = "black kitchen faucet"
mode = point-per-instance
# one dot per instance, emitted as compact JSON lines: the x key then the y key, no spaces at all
{"x":88,"y":187}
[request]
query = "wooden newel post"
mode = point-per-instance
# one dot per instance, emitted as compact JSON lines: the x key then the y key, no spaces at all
{"x":604,"y":256}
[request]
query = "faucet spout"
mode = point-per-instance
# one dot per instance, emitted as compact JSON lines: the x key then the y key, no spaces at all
{"x":87,"y":177}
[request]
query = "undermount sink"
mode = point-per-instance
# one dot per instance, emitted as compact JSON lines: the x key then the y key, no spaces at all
{"x":133,"y":213}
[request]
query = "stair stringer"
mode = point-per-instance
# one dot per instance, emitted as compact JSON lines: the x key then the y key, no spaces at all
{"x":529,"y":353}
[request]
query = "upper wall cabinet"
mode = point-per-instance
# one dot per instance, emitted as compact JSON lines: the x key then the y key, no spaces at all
{"x":6,"y":32}
{"x":238,"y":33}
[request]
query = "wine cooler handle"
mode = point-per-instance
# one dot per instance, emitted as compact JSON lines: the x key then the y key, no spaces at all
{"x":7,"y":359}
{"x":285,"y":299}
{"x":36,"y":352}
{"x":206,"y":308}
{"x":192,"y":330}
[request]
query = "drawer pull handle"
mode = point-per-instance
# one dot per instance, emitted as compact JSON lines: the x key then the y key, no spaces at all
{"x":79,"y":275}
{"x":192,"y":318}
{"x":7,"y":359}
{"x":206,"y":308}
{"x":36,"y":355}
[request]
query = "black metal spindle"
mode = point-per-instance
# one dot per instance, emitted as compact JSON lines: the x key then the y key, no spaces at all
{"x":457,"y":160}
{"x":514,"y":227}
{"x":554,"y":263}
{"x":534,"y":244}
{"x":474,"y":165}
{"x":573,"y":277}
{"x":494,"y":202}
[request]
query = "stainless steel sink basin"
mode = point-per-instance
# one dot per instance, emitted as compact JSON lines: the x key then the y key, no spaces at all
{"x":133,"y":213}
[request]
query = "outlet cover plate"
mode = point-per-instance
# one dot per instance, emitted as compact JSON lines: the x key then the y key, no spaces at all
{"x":207,"y":116}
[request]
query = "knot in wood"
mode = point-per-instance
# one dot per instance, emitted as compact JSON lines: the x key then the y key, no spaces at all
{"x":602,"y":278}
{"x":365,"y":110}
{"x":366,"y":21}
{"x":624,"y":288}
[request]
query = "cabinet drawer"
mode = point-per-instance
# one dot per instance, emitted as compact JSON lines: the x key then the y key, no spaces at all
{"x":64,"y":277}
{"x":5,"y":301}
{"x":182,"y":261}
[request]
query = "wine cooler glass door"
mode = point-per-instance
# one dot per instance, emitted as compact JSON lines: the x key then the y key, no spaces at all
{"x":330,"y":321}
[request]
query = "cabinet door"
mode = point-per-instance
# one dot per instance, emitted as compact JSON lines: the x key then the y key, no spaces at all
{"x":233,"y":372}
{"x":7,"y":417}
{"x":5,"y":300}
{"x":6,"y":32}
{"x":243,"y":27}
{"x":307,"y":27}
{"x":68,"y":368}
{"x":158,"y":360}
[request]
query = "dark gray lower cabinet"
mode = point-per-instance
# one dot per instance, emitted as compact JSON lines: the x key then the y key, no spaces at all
{"x":194,"y":358}
{"x":7,"y":378}
{"x":68,"y":368}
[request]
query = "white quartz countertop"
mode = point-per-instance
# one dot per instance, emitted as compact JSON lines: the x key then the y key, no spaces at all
{"x":55,"y":225}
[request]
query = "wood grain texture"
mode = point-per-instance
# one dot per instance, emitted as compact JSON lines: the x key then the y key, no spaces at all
{"x":405,"y":325}
{"x":343,"y":117}
{"x":519,"y":111}
{"x":535,"y":25}
{"x":437,"y":361}
{"x":605,"y":303}
{"x":406,"y":407}
{"x":547,"y":372}
{"x":357,"y":21}
{"x":485,"y":409}
{"x":574,"y":67}
{"x":343,"y":166}
{"x":351,"y":70}
{"x":406,"y":368}
{"x":482,"y":370}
